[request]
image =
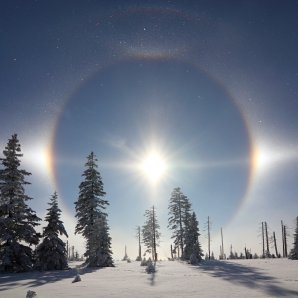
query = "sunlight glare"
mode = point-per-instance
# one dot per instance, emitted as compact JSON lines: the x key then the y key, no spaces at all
{"x":153,"y":166}
{"x":40,"y":158}
{"x":264,"y":157}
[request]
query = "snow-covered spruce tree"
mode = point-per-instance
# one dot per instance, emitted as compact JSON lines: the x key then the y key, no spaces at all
{"x":179,"y":209}
{"x":192,"y":249}
{"x":51,"y":253}
{"x":98,"y":248}
{"x":17,"y":219}
{"x":294,"y":251}
{"x":150,"y":233}
{"x":91,"y":218}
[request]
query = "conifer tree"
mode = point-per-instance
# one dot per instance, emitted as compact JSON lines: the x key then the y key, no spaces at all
{"x":179,"y":209}
{"x":98,"y":247}
{"x":92,"y":220}
{"x":294,"y":251}
{"x":192,"y":249}
{"x":17,"y":219}
{"x":51,"y":254}
{"x":150,"y":233}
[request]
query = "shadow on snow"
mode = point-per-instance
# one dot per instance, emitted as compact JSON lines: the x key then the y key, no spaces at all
{"x":245,"y":276}
{"x":39,"y":278}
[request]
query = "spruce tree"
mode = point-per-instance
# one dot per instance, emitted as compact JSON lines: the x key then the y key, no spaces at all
{"x":150,"y":233}
{"x":192,"y":249}
{"x":17,"y":219}
{"x":51,"y":254}
{"x":179,"y":209}
{"x":294,"y":251}
{"x":92,"y":220}
{"x":99,"y":247}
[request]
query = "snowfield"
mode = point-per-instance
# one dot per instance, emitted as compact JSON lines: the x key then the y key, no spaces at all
{"x":238,"y":278}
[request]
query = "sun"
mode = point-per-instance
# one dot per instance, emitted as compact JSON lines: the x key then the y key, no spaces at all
{"x":153,"y":166}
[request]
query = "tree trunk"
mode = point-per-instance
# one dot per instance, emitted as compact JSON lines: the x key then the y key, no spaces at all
{"x":283,"y":239}
{"x":274,"y":239}
{"x":208,"y":239}
{"x":267,"y":240}
{"x":222,"y":246}
{"x":181,"y":228}
{"x":140,"y":248}
{"x":263,"y":237}
{"x":154,"y":253}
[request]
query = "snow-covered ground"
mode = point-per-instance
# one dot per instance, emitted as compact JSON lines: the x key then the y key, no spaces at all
{"x":241,"y":278}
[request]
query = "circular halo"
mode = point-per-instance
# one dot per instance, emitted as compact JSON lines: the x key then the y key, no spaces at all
{"x":225,"y":103}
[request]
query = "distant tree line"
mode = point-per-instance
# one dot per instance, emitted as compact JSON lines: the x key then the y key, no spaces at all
{"x":183,"y":223}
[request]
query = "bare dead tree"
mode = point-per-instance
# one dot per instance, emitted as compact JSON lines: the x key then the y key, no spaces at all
{"x":275,"y":246}
{"x":208,"y":238}
{"x":139,"y":257}
{"x":263,"y":238}
{"x":207,"y":226}
{"x":283,"y":239}
{"x":267,"y":240}
{"x":222,"y":246}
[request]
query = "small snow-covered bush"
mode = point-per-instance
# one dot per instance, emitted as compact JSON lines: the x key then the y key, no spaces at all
{"x":31,"y":294}
{"x":150,"y":267}
{"x":144,"y":262}
{"x":77,"y":278}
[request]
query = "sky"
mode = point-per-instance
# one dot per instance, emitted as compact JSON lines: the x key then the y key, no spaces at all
{"x":210,"y":88}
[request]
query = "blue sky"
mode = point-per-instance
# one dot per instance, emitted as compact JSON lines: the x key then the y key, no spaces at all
{"x":210,"y":86}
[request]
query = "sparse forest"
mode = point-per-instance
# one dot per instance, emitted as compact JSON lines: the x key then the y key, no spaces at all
{"x":148,"y":148}
{"x":18,"y":222}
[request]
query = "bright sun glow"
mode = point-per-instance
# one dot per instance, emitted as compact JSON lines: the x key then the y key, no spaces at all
{"x":265,"y":157}
{"x":39,"y":158}
{"x":153,"y":166}
{"x":262,"y":158}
